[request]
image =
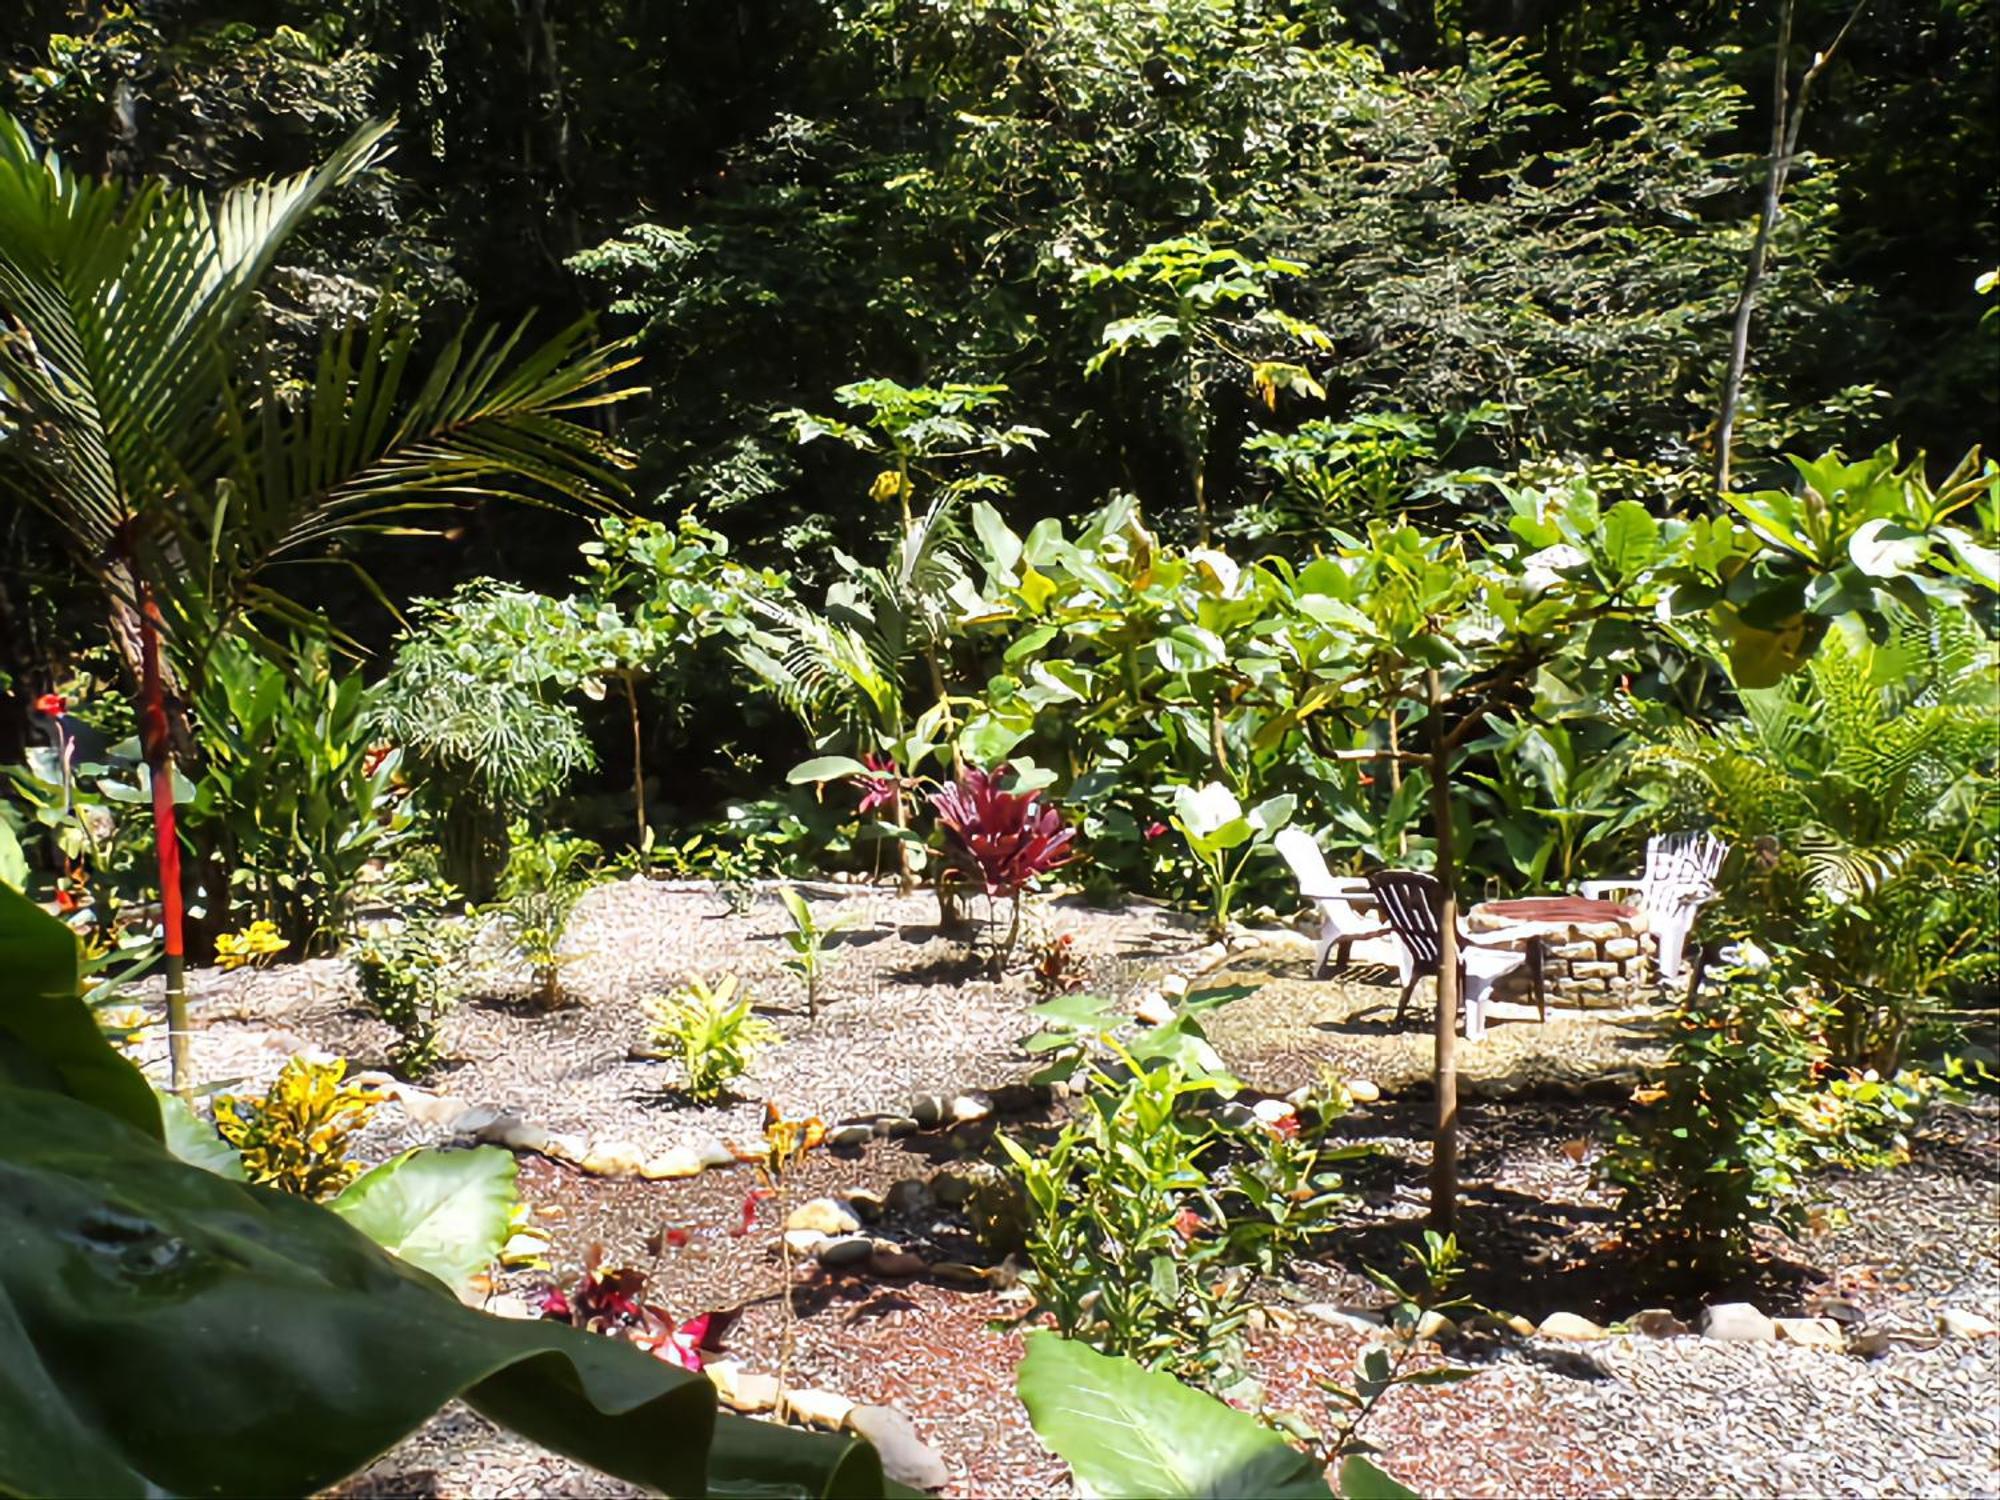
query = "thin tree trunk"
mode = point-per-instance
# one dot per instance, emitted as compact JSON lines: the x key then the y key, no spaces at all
{"x":638,"y":757}
{"x":1787,"y":114}
{"x":158,"y":746}
{"x":1444,"y":1139}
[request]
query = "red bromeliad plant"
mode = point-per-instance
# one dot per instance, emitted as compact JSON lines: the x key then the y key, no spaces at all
{"x":1004,"y":841}
{"x":612,"y":1302}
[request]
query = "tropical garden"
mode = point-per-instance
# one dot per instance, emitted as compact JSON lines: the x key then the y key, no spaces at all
{"x":1123,"y":747}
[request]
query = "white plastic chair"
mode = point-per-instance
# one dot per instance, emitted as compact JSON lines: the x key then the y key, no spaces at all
{"x":1341,"y":921}
{"x":1414,"y":905}
{"x":1679,"y":881}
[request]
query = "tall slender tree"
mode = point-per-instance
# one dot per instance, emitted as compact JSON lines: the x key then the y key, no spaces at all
{"x":175,"y":479}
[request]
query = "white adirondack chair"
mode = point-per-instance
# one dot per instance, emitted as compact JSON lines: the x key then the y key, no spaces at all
{"x":1339,"y":899}
{"x":1679,"y":881}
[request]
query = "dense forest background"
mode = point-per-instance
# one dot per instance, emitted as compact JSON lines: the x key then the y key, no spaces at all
{"x":1490,"y":236}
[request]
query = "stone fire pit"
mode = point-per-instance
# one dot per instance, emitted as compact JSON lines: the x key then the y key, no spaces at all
{"x":1596,"y":953}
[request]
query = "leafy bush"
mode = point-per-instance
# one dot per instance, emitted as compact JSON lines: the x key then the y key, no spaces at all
{"x":1215,"y":826}
{"x":411,"y":974}
{"x":710,"y":1032}
{"x":1863,"y":796}
{"x":545,"y":879}
{"x":1145,"y":1234}
{"x":1746,"y":1112}
{"x":295,"y":1137}
{"x":256,"y":945}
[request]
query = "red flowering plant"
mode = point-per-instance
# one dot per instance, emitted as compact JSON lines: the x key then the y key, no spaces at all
{"x":611,"y":1301}
{"x":1001,"y":840}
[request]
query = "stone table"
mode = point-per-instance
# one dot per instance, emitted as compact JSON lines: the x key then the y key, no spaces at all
{"x":1595,"y":953}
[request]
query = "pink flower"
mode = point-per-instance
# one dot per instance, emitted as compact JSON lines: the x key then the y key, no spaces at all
{"x":1156,"y":830}
{"x":878,"y":790}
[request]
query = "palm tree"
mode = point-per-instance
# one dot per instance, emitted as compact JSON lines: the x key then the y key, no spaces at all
{"x":174,"y":481}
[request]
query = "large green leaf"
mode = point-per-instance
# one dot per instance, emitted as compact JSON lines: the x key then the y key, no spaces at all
{"x":48,"y":1038}
{"x":445,"y":1211}
{"x":163,"y":1330}
{"x":1126,"y":1430}
{"x":196,"y":1142}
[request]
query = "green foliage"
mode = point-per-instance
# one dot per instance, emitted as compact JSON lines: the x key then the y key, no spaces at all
{"x":807,"y":940}
{"x":295,"y":1138}
{"x":1144,"y":1233}
{"x":545,"y":879}
{"x":290,"y":805}
{"x":1216,"y":827}
{"x":1862,"y":796}
{"x":1747,"y":1111}
{"x":710,"y":1032}
{"x":1127,"y":1430}
{"x":412,"y":973}
{"x":446,"y":1212}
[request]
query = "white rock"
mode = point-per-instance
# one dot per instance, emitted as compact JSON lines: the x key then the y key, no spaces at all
{"x":1154,"y":1009}
{"x":1362,"y":1090}
{"x":565,"y":1147}
{"x":507,"y":1305}
{"x":614,"y":1158}
{"x":1272,"y":1111}
{"x":1737,"y":1323}
{"x":850,"y":1137}
{"x":1964,"y":1323}
{"x":967,"y":1108}
{"x":475,"y":1119}
{"x":1174,"y":986}
{"x":828,"y":1409}
{"x":805,"y":1241}
{"x":905,"y":1457}
{"x":674,"y":1162}
{"x":1656,"y":1323}
{"x":712,"y":1152}
{"x":1812,"y":1333}
{"x":825,"y":1215}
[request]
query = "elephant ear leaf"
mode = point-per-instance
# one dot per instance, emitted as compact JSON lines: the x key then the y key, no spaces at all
{"x":444,"y":1211}
{"x":48,"y":1037}
{"x":1127,"y":1430}
{"x":163,"y":1330}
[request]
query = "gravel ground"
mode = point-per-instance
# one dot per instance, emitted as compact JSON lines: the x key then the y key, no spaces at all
{"x":906,"y":1014}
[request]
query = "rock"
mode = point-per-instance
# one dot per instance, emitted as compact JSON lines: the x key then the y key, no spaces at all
{"x":828,"y":1409}
{"x":1433,"y":1325}
{"x":846,"y":1250}
{"x":826,"y":1215}
{"x":1154,"y":1009}
{"x":865,"y":1202}
{"x":1520,"y":1325}
{"x":1737,"y":1323}
{"x":1272,"y":1111}
{"x":1174,"y":986}
{"x":890,"y":1260}
{"x":1842,"y":1311}
{"x":1361,"y":1319}
{"x":513,"y":1132}
{"x":1656,"y":1323}
{"x":1964,"y":1323}
{"x":723,"y":1375}
{"x":928,"y":1110}
{"x":614,"y":1158}
{"x":967,"y":1108}
{"x":1869,"y":1343}
{"x":428,"y":1108}
{"x":751,"y":1393}
{"x":674,"y":1162}
{"x":1571,"y":1326}
{"x":850,"y":1137}
{"x":1362,"y":1090}
{"x":1236,"y":1115}
{"x":474,"y":1120}
{"x":1811,"y":1333}
{"x":507,"y":1305}
{"x":566,"y":1147}
{"x":909,"y":1196}
{"x":805,"y":1241}
{"x":712,"y":1152}
{"x":951,"y":1189}
{"x":890,"y":1127}
{"x":957,"y":1273}
{"x":905,"y":1457}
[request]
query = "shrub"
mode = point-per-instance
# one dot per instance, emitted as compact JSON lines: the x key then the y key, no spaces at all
{"x":1747,"y":1110}
{"x":255,"y":945}
{"x":1216,"y":827}
{"x":295,"y":1137}
{"x":411,"y":975}
{"x":710,"y":1032}
{"x":1145,"y":1235}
